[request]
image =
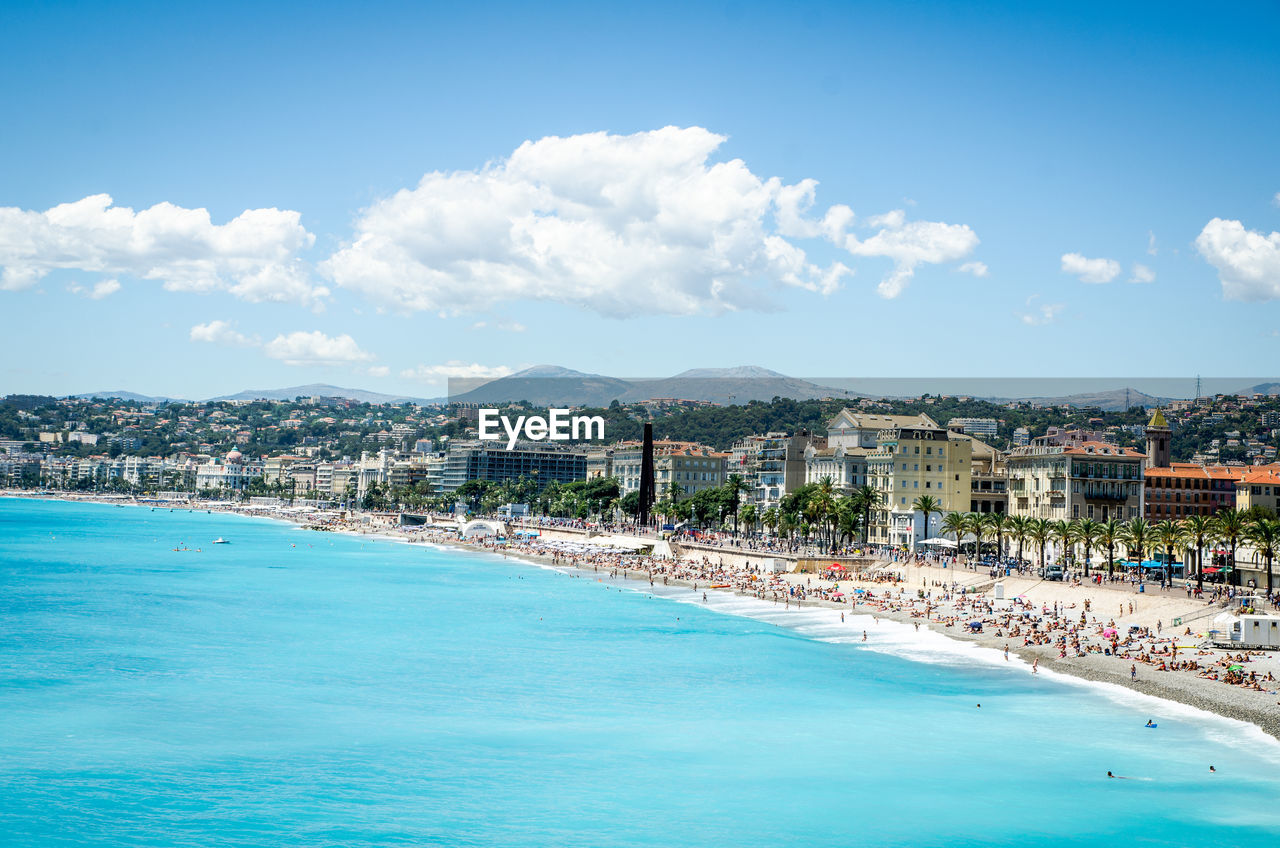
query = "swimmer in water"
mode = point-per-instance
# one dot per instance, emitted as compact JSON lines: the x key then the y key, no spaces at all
{"x":864,"y":635}
{"x":1150,"y":723}
{"x":1211,"y":768}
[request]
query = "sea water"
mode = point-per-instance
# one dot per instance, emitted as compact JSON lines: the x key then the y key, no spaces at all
{"x":307,"y":688}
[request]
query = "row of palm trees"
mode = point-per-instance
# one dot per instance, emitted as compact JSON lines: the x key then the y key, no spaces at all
{"x":1137,"y":536}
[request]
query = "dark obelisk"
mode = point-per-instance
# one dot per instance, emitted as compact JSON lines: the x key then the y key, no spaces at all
{"x":646,"y":476}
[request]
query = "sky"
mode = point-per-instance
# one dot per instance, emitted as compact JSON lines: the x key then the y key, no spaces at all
{"x":200,"y":199}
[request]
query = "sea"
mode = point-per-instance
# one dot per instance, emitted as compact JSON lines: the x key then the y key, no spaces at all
{"x":295,"y":687}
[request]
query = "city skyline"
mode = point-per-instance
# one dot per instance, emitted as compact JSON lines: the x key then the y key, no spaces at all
{"x":368,"y":202}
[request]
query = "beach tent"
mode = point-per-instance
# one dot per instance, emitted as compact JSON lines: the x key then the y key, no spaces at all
{"x":938,"y":542}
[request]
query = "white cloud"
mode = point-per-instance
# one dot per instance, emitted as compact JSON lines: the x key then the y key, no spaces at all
{"x":455,"y":369}
{"x":1248,"y":262}
{"x":101,"y":289}
{"x":315,"y":348}
{"x":1142,"y":274}
{"x":1275,"y":201}
{"x":253,"y":256}
{"x":220,"y":332}
{"x":977,"y":269}
{"x":379,"y":371}
{"x":616,"y":224}
{"x":1090,"y":270}
{"x":504,"y":326}
{"x":1151,"y":243}
{"x":1047,"y":313}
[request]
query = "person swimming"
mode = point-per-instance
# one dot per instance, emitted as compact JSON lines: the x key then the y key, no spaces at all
{"x":1150,"y":723}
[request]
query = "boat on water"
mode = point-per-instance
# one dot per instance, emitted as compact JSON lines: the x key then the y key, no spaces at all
{"x":221,"y":541}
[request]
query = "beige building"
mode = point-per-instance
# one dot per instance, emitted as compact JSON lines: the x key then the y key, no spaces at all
{"x":1094,"y":480}
{"x":1259,"y":486}
{"x":690,"y":466}
{"x":913,"y":461}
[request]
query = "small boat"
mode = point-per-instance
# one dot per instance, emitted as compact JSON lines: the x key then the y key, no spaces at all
{"x":221,"y":541}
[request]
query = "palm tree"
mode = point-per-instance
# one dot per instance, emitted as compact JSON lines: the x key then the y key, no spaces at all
{"x":973,"y":524}
{"x":734,"y":485}
{"x":929,"y":505}
{"x":749,"y":514}
{"x":954,"y":523}
{"x":1063,"y":533}
{"x":1039,"y":531}
{"x":1230,"y":524}
{"x":998,"y":523}
{"x":1019,"y":528}
{"x":1168,"y":535}
{"x":1137,"y":536}
{"x":1198,"y":528}
{"x":866,"y":498}
{"x":770,"y":518}
{"x":1264,"y":535}
{"x":1111,"y":532}
{"x":847,"y":519}
{"x":1086,"y":533}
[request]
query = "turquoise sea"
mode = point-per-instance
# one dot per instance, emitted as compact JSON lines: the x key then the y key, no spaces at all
{"x":301,"y":688}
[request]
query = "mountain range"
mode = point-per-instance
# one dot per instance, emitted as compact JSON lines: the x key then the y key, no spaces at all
{"x":553,"y":385}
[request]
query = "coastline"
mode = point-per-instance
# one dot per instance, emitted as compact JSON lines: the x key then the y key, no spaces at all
{"x":1260,"y":710}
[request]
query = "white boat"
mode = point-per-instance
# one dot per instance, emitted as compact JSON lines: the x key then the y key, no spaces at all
{"x":221,"y":541}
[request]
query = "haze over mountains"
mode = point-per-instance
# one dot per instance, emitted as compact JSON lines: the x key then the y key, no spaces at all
{"x":553,"y":385}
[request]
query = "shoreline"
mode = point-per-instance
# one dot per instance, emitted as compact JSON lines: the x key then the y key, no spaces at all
{"x":1260,"y":710}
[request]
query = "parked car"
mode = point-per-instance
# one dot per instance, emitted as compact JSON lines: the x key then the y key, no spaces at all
{"x":1051,"y":572}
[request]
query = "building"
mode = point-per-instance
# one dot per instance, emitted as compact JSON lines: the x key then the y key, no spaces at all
{"x":1021,"y":437}
{"x":845,"y":467}
{"x":690,"y":466}
{"x":912,"y":461}
{"x":1159,"y":435}
{"x":1094,"y":480}
{"x":475,"y":460}
{"x":1184,"y":489}
{"x":853,"y":429}
{"x":983,"y":428}
{"x":773,"y":464}
{"x":1259,"y":486}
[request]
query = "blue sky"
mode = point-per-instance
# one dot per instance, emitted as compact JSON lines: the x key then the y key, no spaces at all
{"x":1051,"y":144}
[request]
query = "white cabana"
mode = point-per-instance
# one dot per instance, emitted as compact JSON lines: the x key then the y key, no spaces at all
{"x":937,"y":542}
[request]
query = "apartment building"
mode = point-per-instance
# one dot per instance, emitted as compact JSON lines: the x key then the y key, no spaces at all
{"x":1090,"y":479}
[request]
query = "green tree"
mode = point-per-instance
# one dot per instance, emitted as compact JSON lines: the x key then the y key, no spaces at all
{"x":928,"y":505}
{"x":1229,"y":525}
{"x":1264,"y":535}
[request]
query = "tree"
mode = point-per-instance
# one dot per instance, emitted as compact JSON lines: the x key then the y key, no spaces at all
{"x":1019,"y":528}
{"x":866,"y":499}
{"x":749,"y":513}
{"x":1039,"y":531}
{"x":1168,"y":535}
{"x":1264,"y":535}
{"x":734,"y":486}
{"x":1230,"y":526}
{"x":1062,"y":532}
{"x":998,"y":524}
{"x":1109,"y":534}
{"x":954,"y":523}
{"x":1086,"y":533}
{"x":1198,"y":528}
{"x":974,"y":524}
{"x":929,"y":505}
{"x":1137,"y":536}
{"x":770,"y":519}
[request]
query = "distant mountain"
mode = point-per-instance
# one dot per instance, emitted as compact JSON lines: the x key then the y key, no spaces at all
{"x":1109,"y":401}
{"x":1265,"y":389}
{"x":321,"y":390}
{"x":122,"y":395}
{"x":551,"y":385}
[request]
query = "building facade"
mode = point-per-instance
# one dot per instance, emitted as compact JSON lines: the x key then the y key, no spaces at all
{"x":1094,"y":480}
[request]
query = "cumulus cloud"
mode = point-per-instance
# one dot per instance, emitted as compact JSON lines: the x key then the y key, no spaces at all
{"x":1248,"y":262}
{"x":220,"y":332}
{"x":455,"y":369}
{"x":1090,"y":270}
{"x":101,"y":289}
{"x":1142,"y":274}
{"x":616,"y":224}
{"x":910,"y":245}
{"x":378,"y":371}
{"x":315,"y":348}
{"x":977,"y":269}
{"x":254,"y":256}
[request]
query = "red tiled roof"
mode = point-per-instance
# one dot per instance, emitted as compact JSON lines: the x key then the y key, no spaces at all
{"x":1262,"y":474}
{"x":1191,"y":471}
{"x":1102,"y":449}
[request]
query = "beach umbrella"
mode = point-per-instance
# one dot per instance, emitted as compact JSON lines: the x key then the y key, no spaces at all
{"x":837,"y":594}
{"x":835,"y":566}
{"x":1236,"y":667}
{"x":1110,"y":631}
